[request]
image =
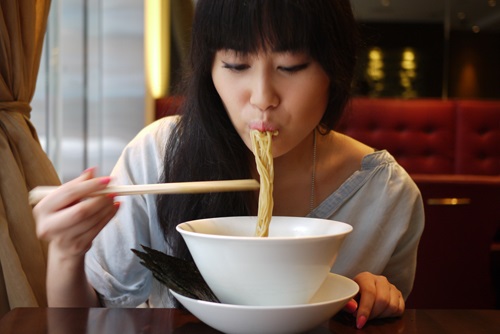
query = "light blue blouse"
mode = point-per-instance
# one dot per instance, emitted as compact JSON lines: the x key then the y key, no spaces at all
{"x":380,"y":201}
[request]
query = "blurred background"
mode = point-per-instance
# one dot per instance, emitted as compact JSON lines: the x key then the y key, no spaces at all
{"x":106,"y":61}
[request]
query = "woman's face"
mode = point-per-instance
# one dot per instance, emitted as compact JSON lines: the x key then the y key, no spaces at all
{"x":284,"y":92}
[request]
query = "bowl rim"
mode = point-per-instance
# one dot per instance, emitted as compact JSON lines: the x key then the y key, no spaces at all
{"x":347,"y":229}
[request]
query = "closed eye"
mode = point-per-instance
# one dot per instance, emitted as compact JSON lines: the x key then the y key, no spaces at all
{"x":294,"y":69}
{"x":235,"y":67}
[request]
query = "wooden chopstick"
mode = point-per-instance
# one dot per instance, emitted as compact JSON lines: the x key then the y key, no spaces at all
{"x":38,"y":193}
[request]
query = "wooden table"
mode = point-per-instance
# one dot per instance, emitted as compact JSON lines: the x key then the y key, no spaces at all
{"x":165,"y":321}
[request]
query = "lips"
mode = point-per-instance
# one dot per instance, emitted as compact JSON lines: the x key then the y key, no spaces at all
{"x":263,"y":126}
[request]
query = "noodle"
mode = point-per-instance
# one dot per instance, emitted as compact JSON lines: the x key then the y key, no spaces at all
{"x":261,"y":144}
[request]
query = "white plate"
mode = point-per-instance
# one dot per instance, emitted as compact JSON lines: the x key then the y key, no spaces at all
{"x":335,"y":292}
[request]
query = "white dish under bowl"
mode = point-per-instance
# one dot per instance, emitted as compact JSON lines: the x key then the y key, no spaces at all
{"x":335,"y":292}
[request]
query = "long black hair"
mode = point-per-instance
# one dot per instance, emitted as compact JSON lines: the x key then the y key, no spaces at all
{"x":204,"y":144}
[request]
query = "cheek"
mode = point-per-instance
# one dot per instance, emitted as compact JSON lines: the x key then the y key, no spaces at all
{"x":227,"y":92}
{"x":218,"y":83}
{"x":320,"y":97}
{"x":311,"y":101}
{"x":231,"y":96}
{"x":222,"y":89}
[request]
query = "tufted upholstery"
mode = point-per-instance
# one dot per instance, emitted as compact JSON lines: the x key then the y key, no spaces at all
{"x":478,"y":138}
{"x":430,"y":136}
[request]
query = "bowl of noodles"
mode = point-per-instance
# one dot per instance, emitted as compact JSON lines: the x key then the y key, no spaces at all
{"x":264,"y":260}
{"x":287,"y":267}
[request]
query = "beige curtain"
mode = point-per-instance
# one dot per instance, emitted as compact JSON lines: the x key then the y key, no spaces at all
{"x":23,"y":163}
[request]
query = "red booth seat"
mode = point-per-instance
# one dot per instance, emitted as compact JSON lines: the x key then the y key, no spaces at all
{"x":430,"y":136}
{"x":477,"y":137}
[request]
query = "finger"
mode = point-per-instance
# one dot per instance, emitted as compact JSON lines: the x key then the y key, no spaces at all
{"x":402,"y":305}
{"x":367,"y":289}
{"x":396,"y":306}
{"x":94,"y":230}
{"x":79,"y":244}
{"x":94,"y":212}
{"x":74,"y":219}
{"x":385,"y":295}
{"x":390,"y":301}
{"x":351,"y":306}
{"x":72,"y":192}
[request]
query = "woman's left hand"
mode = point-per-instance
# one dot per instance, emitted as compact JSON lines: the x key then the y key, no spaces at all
{"x":378,"y":299}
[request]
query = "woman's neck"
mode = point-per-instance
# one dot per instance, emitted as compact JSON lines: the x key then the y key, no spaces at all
{"x":294,"y":179}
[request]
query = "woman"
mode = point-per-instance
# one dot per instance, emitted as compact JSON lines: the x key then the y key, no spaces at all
{"x":283,"y":66}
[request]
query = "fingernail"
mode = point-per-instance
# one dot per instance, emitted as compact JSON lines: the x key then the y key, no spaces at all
{"x":360,"y":323}
{"x":117,"y":205}
{"x":88,"y":170}
{"x":105,"y":180}
{"x":351,"y":306}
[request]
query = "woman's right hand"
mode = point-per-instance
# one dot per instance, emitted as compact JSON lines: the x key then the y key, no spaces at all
{"x":69,"y":219}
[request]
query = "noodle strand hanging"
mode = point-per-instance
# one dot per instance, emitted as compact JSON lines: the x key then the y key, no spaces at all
{"x":261,"y":144}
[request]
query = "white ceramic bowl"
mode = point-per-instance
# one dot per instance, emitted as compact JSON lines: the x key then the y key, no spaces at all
{"x":286,"y":268}
{"x":335,"y":292}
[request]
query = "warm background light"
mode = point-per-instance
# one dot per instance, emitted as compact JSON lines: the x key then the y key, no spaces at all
{"x":156,"y":51}
{"x":375,"y":71}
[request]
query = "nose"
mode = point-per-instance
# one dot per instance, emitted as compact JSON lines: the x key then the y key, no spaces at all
{"x":264,"y":95}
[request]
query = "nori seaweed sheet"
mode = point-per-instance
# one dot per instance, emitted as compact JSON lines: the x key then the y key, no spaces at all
{"x":179,"y":275}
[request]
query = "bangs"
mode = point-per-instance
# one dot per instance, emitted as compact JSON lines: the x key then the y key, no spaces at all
{"x":250,"y":26}
{"x":324,"y":29}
